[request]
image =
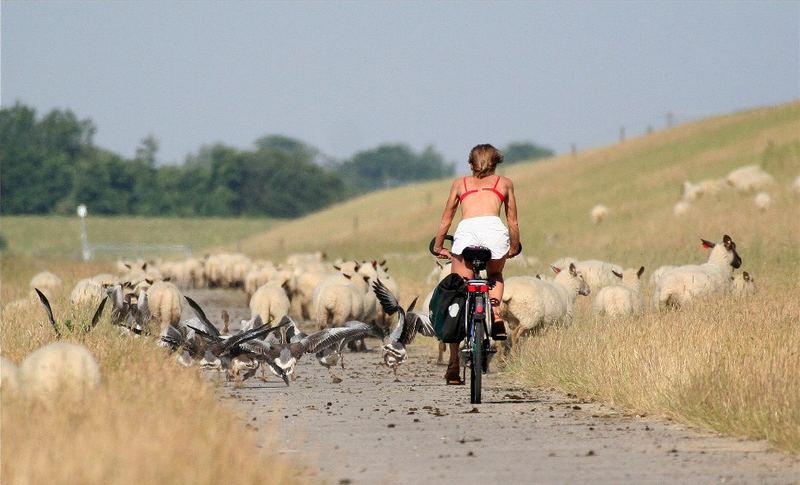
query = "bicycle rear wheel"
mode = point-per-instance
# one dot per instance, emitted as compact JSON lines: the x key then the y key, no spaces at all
{"x":477,"y":357}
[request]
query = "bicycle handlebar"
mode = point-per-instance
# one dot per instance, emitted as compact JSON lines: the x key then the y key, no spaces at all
{"x":450,"y":238}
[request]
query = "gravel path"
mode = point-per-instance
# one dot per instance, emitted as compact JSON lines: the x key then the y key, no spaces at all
{"x":369,"y":429}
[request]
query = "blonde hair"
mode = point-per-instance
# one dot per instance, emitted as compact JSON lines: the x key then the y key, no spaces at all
{"x":483,"y":159}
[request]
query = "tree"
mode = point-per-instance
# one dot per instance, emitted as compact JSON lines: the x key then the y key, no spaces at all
{"x":525,"y":151}
{"x":392,"y":165}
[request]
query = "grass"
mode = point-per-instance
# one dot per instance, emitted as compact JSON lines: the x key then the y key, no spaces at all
{"x":730,"y":365}
{"x":151,"y":420}
{"x":59,"y":237}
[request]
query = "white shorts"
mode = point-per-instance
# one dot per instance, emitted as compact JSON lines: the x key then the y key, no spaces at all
{"x":488,"y":231}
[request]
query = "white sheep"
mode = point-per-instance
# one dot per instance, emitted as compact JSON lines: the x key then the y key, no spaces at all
{"x":164,"y":304}
{"x":305,"y":284}
{"x":59,"y":368}
{"x":599,"y":213}
{"x":623,"y":299}
{"x":681,"y":208}
{"x":744,"y":285}
{"x":87,"y":292}
{"x":106,"y":279}
{"x":9,"y":379}
{"x":691,"y":192}
{"x":47,"y":282}
{"x":680,"y":285}
{"x":336,"y":300}
{"x":796,"y":186}
{"x":749,"y":178}
{"x":529,"y":303}
{"x":270,"y":302}
{"x":763,"y":201}
{"x":596,"y":273}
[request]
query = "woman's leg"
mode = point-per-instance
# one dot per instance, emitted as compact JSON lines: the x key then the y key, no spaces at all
{"x":458,"y":266}
{"x":495,"y":273}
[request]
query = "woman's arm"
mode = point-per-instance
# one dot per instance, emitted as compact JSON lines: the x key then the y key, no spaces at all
{"x":447,"y":218}
{"x":511,"y":218}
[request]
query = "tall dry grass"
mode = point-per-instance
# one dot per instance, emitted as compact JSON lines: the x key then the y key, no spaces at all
{"x":150,"y":421}
{"x":729,"y":364}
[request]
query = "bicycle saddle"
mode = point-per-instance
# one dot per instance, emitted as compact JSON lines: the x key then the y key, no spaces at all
{"x":478,"y":256}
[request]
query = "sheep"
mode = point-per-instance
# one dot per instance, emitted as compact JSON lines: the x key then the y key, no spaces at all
{"x":47,"y":282}
{"x":258,"y":275}
{"x":306,"y":283}
{"x":105,"y":279}
{"x":655,"y":277}
{"x":270,"y":302}
{"x":599,"y":213}
{"x":164,"y":304}
{"x":596,"y":273}
{"x":763,"y":201}
{"x":9,"y":379}
{"x":691,"y":192}
{"x":681,"y":208}
{"x":438,"y":272}
{"x":87,"y":292}
{"x":680,"y":285}
{"x":377,"y":271}
{"x":336,"y":300}
{"x":744,"y":285}
{"x":59,"y":368}
{"x":529,"y":303}
{"x":624,"y":299}
{"x":796,"y":186}
{"x":749,"y":178}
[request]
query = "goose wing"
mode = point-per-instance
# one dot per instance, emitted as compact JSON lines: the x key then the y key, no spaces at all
{"x":388,"y":301}
{"x":98,"y":313}
{"x":256,"y":333}
{"x":49,"y":311}
{"x":210,"y":328}
{"x":334,"y":336}
{"x":423,"y":324}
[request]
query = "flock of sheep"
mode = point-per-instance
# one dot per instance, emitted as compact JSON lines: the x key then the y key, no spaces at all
{"x":744,"y":180}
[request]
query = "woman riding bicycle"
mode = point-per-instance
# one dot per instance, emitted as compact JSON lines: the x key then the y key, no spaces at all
{"x":481,"y":197}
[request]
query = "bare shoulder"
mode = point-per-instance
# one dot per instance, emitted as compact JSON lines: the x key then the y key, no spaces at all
{"x":506,"y":182}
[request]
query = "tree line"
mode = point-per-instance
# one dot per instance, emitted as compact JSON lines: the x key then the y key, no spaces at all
{"x":50,"y":164}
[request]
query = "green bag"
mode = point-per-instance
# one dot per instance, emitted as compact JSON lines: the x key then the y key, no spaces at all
{"x":447,"y":309}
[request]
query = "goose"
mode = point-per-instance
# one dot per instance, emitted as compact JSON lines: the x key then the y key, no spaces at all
{"x":232,"y":352}
{"x":326,"y":344}
{"x":83,"y":328}
{"x":409,"y":323}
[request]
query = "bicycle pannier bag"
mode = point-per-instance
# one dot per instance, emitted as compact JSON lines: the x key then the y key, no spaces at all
{"x":447,"y":309}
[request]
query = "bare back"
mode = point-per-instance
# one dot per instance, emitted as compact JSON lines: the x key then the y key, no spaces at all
{"x":482,"y":197}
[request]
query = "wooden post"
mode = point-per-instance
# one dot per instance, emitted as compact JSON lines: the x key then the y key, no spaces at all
{"x":574,"y":150}
{"x":621,"y":133}
{"x":649,"y":129}
{"x":670,"y":119}
{"x":355,"y":224}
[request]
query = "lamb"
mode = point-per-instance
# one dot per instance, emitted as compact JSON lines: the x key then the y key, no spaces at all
{"x":680,"y":285}
{"x":270,"y":302}
{"x":744,"y":285}
{"x":9,"y":379}
{"x":624,"y":299}
{"x":763,"y":201}
{"x":599,"y":213}
{"x":681,"y":208}
{"x":87,"y":292}
{"x":47,"y":282}
{"x":164,"y":304}
{"x":749,"y":178}
{"x":596,"y":273}
{"x":59,"y":367}
{"x":528,"y":303}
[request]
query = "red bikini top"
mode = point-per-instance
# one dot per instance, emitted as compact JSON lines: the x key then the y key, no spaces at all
{"x":493,"y":188}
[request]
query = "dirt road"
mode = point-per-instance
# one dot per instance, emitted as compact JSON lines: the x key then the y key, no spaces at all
{"x":369,"y":429}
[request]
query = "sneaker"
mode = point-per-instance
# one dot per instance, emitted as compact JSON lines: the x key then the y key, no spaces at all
{"x":499,"y":330}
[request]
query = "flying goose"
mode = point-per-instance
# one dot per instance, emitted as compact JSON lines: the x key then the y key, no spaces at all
{"x":409,"y":323}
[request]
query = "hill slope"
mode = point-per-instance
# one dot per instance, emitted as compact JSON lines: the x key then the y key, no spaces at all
{"x":639,"y":180}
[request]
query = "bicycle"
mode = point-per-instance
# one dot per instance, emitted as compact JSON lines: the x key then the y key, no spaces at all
{"x":477,"y":320}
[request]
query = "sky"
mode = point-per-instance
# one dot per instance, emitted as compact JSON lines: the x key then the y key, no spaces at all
{"x":348,"y":76}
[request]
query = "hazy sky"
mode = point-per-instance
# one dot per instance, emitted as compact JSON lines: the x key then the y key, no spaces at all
{"x":346,"y":76}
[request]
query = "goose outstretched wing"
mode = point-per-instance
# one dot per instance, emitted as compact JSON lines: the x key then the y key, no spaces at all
{"x":388,"y":301}
{"x":334,"y":336}
{"x":49,"y":311}
{"x":98,"y":313}
{"x":209,"y":329}
{"x":423,"y":324}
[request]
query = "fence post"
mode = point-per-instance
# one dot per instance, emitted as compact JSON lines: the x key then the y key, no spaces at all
{"x":621,"y":133}
{"x":86,"y":250}
{"x":574,"y":150}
